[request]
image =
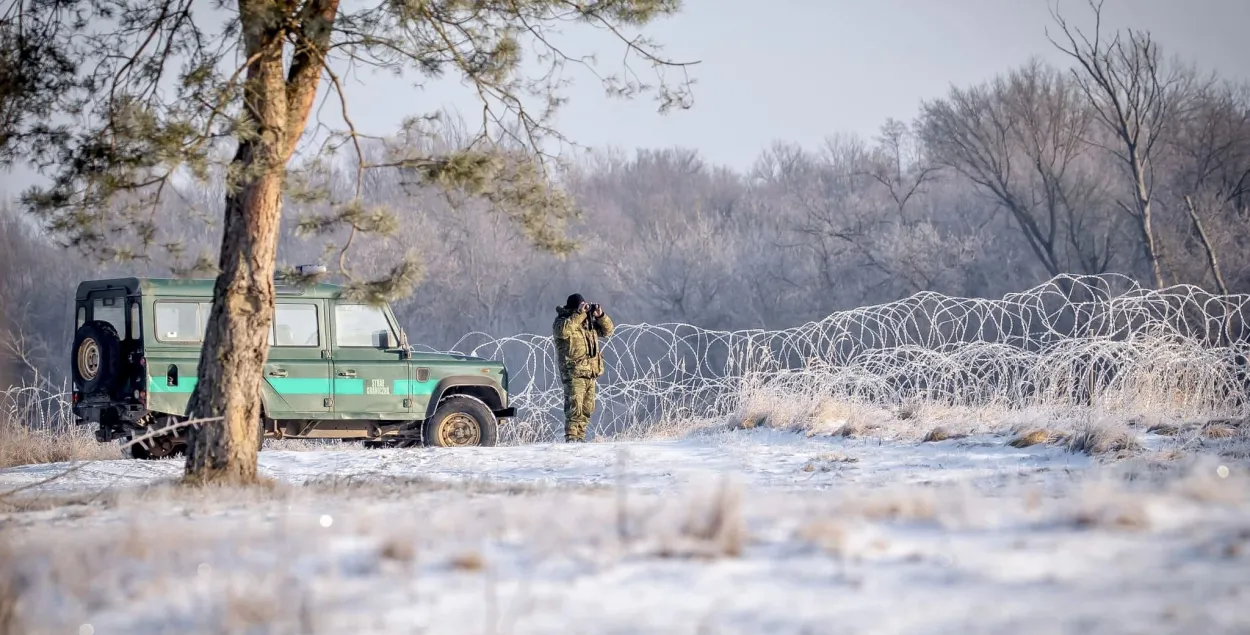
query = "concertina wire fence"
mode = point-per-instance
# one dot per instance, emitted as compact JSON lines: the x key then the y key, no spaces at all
{"x":1099,"y":343}
{"x":1074,"y":342}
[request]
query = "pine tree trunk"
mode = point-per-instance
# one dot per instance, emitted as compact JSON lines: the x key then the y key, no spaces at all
{"x":229,"y":382}
{"x":236,"y":339}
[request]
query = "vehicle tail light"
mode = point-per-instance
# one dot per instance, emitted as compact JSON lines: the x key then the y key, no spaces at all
{"x":141,"y":379}
{"x":76,"y":397}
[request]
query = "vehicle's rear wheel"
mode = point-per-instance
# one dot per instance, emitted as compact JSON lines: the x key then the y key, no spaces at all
{"x":97,"y":356}
{"x":265,"y":422}
{"x":161,"y":447}
{"x":461,"y":421}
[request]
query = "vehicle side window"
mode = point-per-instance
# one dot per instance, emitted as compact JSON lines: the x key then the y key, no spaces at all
{"x":135,"y":327}
{"x":295,"y":325}
{"x":361,"y":325}
{"x":110,"y":310}
{"x":179,"y":322}
{"x":206,"y":309}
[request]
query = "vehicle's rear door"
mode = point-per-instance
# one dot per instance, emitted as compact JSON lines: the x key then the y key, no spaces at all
{"x":370,"y":376}
{"x":114,"y":307}
{"x":173,"y":351}
{"x":297,"y":368}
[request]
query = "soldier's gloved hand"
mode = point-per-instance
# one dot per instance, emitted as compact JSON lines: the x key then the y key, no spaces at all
{"x":596,"y":310}
{"x":582,"y":308}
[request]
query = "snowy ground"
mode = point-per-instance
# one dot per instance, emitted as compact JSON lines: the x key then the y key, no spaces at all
{"x":742,"y":532}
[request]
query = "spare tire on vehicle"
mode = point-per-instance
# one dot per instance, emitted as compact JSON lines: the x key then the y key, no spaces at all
{"x":97,"y":357}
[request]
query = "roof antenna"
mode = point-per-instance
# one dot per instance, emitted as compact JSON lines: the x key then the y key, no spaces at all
{"x":299,"y":275}
{"x":311,"y":270}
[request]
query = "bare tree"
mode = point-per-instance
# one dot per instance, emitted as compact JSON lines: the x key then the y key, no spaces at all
{"x":899,"y":164}
{"x":1136,"y":97}
{"x":1208,"y":175}
{"x":1213,"y":261}
{"x":1021,"y":138}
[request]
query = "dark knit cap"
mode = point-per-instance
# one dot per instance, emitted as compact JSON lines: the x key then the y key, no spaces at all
{"x":575,"y":301}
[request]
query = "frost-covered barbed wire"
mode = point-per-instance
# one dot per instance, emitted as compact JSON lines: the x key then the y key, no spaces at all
{"x":37,"y":407}
{"x":1089,"y":342}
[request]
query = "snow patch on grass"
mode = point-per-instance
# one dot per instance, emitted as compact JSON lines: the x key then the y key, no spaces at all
{"x":712,"y":553}
{"x":723,"y":531}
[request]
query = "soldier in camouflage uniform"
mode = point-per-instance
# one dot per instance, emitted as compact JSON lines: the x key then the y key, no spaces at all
{"x":576,"y":331}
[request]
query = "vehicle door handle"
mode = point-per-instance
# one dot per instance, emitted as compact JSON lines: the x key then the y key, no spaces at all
{"x":277,"y":373}
{"x":347,"y":373}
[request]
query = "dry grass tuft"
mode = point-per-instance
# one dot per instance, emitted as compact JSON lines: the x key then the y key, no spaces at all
{"x":1095,"y":439}
{"x":1164,"y":429}
{"x":850,"y":430}
{"x":908,"y":411}
{"x":826,"y":462}
{"x":900,"y":506}
{"x":828,"y":535}
{"x":1121,"y":515}
{"x":21,"y":445}
{"x":1219,"y":431}
{"x":836,"y":457}
{"x":398,"y":549}
{"x":722,"y":525}
{"x":747,"y":420}
{"x":1165,"y":456}
{"x":906,"y":509}
{"x":714,"y":527}
{"x":940,"y":433}
{"x":468,"y":561}
{"x":246,"y":611}
{"x":1030,"y":438}
{"x":10,"y":592}
{"x":797,"y":408}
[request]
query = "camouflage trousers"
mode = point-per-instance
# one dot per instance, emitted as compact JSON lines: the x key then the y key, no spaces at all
{"x":579,"y":404}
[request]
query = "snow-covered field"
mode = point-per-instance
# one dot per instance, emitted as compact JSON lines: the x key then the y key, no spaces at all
{"x":750,"y":531}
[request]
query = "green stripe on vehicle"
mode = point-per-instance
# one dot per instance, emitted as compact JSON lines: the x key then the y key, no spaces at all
{"x":410,"y":387}
{"x":161,"y":385}
{"x":305,"y":386}
{"x":349,"y":386}
{"x":300,"y":385}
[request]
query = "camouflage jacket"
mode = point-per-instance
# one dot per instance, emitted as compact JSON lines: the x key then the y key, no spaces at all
{"x":576,"y":338}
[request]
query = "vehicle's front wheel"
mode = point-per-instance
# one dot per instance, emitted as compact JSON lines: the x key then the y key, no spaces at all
{"x":461,"y":421}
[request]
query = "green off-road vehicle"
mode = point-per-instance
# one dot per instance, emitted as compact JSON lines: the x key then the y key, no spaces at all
{"x":336,"y":370}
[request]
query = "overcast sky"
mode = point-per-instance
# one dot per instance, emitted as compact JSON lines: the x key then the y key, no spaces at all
{"x":798,"y":70}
